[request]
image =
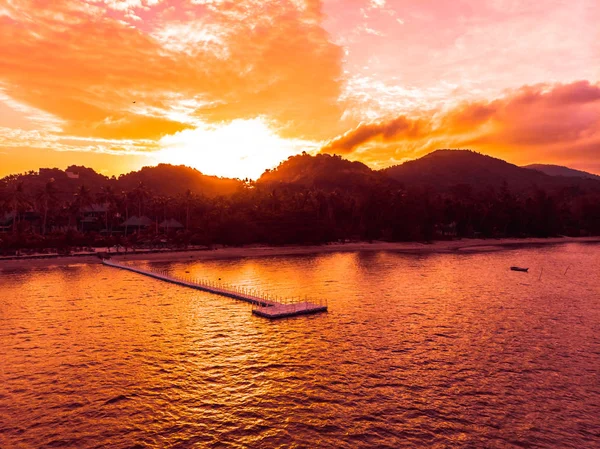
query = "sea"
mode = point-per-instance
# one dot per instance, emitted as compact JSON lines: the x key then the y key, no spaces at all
{"x":416,"y":351}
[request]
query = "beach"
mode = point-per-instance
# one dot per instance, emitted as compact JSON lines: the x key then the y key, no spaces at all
{"x":255,"y":251}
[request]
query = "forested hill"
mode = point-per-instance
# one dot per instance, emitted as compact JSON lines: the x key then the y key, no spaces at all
{"x":306,"y":199}
{"x":322,"y":171}
{"x":444,"y":169}
{"x":171,"y":180}
{"x":439,"y":171}
{"x":65,"y":183}
{"x":559,"y":170}
{"x":163,"y":180}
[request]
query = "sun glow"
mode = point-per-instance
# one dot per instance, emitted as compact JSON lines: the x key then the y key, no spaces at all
{"x":240,"y":149}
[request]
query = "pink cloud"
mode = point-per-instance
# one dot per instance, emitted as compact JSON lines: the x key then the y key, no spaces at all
{"x":399,"y":76}
{"x":530,"y":124}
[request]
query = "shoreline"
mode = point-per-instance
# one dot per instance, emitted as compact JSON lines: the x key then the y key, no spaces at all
{"x":454,"y":246}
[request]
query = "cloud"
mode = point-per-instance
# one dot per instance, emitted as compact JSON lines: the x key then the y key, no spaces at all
{"x":127,"y":127}
{"x":281,"y":66}
{"x":85,"y":63}
{"x":377,"y":3}
{"x":534,"y":123}
{"x":481,"y":46}
{"x":398,"y":128}
{"x":105,"y":73}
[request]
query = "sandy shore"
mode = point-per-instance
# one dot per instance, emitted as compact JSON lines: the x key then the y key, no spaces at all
{"x":63,"y":261}
{"x":457,"y":246}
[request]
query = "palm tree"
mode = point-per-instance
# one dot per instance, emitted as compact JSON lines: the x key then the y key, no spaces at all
{"x":108,"y":198}
{"x":158,"y":205}
{"x":16,"y":201}
{"x":140,"y":194}
{"x":188,"y":198}
{"x":124,"y":199}
{"x":4,"y":206}
{"x":47,"y":197}
{"x":83,"y":199}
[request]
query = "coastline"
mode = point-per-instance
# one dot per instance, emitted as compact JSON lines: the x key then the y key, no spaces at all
{"x":454,"y":246}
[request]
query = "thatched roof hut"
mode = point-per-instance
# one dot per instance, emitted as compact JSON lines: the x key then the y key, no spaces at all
{"x":138,"y":222}
{"x":171,"y":223}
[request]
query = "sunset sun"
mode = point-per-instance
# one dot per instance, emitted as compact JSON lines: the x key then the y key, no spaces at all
{"x":240,"y":149}
{"x":235,"y":87}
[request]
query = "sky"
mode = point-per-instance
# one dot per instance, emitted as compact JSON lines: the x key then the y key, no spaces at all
{"x":232,"y":87}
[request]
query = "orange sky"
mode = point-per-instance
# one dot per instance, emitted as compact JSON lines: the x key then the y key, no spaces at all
{"x":234,"y":87}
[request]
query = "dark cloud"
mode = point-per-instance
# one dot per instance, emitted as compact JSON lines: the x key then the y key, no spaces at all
{"x":399,"y":128}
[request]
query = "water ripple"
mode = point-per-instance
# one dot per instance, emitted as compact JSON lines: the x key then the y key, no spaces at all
{"x":417,"y":351}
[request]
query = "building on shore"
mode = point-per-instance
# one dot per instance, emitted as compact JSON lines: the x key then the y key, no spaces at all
{"x":170,"y":225}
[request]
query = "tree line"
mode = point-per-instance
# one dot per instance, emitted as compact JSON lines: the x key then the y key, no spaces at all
{"x":279,"y":213}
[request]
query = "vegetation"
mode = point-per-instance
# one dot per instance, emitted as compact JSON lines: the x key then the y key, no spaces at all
{"x":557,"y":170}
{"x":306,"y":200}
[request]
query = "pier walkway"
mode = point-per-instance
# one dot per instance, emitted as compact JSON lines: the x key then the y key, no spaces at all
{"x":263,"y":304}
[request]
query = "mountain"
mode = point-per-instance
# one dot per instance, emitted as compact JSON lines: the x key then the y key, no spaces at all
{"x":314,"y":199}
{"x":440,"y":170}
{"x":164,"y":179}
{"x":322,"y":171}
{"x":443,"y":169}
{"x":171,"y":180}
{"x":559,"y":170}
{"x":65,"y":182}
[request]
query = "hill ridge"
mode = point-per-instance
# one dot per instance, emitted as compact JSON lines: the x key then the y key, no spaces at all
{"x":561,"y":170}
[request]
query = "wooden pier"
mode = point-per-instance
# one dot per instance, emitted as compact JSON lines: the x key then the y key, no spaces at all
{"x":263,"y":304}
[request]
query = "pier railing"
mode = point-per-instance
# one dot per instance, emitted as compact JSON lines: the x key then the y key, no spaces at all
{"x":258,"y":298}
{"x":295,"y":305}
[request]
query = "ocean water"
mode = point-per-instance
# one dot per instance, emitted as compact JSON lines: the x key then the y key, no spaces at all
{"x":435,"y":351}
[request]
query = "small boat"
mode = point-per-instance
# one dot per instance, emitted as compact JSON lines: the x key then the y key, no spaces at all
{"x":525,"y":270}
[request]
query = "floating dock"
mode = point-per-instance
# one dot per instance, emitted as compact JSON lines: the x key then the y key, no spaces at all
{"x":263,"y":304}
